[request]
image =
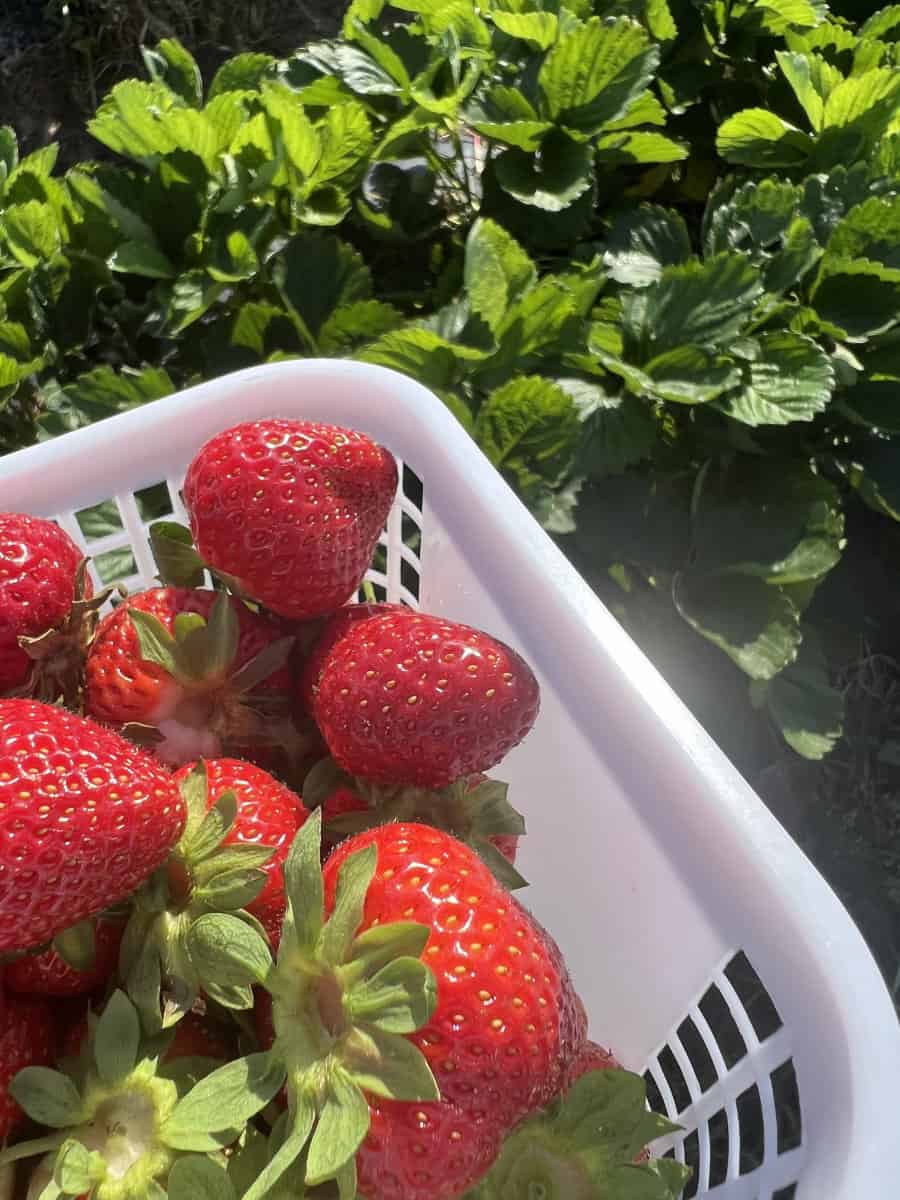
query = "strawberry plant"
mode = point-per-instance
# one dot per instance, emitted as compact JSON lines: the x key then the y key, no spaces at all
{"x":645,"y":251}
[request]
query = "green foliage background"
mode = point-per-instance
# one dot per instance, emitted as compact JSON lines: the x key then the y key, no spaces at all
{"x":665,"y":299}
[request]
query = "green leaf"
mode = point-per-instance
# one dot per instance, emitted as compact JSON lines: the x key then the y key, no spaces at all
{"x":130,"y":120}
{"x":290,"y":1149}
{"x":421,"y":353}
{"x":116,"y":1039}
{"x":222,"y":947}
{"x":784,"y":525}
{"x":798,"y":71}
{"x":871,"y":231}
{"x":703,"y":303}
{"x":758,"y":138}
{"x":526,"y":135}
{"x":790,"y":379}
{"x":172,"y":65}
{"x":347,"y":139}
{"x":389,"y":1066}
{"x":755,"y":623}
{"x":803,"y":704}
{"x":836,"y":291}
{"x":400,"y":998}
{"x":639,"y":146}
{"x":644,"y":240}
{"x":867,"y":99}
{"x":538,"y":29}
{"x":529,"y":427}
{"x":177,"y":561}
{"x":876,"y":476}
{"x":102,"y":392}
{"x":195,"y":1178}
{"x":223,"y":634}
{"x":382,"y":944}
{"x":303,"y":882}
{"x":594,"y":73}
{"x":244,"y":72}
{"x":497,"y":271}
{"x":32,"y":232}
{"x":227,"y":1098}
{"x":231,"y":890}
{"x":563,"y":172}
{"x":318,"y":273}
{"x":358,"y":322}
{"x":690,"y":375}
{"x":353,"y":881}
{"x":156,"y":643}
{"x":621,"y":432}
{"x":47,"y":1097}
{"x":341,"y":1129}
{"x":140,"y":258}
{"x":77,"y":1169}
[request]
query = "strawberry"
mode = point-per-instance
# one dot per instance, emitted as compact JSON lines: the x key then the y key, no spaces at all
{"x":26,"y":1039}
{"x":268,"y":814}
{"x":426,"y":1018}
{"x":290,"y":511}
{"x":198,"y":668}
{"x":405,"y":698}
{"x":328,"y":635}
{"x":241,"y":822}
{"x":47,"y":610}
{"x":85,"y":817}
{"x":48,"y":974}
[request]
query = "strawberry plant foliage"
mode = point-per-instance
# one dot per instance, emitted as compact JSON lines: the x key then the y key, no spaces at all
{"x":636,"y":247}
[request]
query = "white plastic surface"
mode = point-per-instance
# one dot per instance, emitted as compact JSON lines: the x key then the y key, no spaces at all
{"x":651,"y":860}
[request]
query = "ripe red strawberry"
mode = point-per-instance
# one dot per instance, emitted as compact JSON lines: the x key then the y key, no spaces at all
{"x":27,"y":1039}
{"x":290,"y":510}
{"x":499,"y":1036}
{"x":85,"y":817}
{"x":47,"y":974}
{"x":45,"y":599}
{"x":405,"y":698}
{"x":269,"y":814}
{"x":193,"y":664}
{"x":329,"y":634}
{"x":197,"y":1036}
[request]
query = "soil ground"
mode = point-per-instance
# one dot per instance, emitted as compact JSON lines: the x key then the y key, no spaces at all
{"x":56,"y":66}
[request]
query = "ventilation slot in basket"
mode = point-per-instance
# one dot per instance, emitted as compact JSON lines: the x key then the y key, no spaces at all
{"x":726,"y":1075}
{"x":396,"y":567}
{"x":113,"y":534}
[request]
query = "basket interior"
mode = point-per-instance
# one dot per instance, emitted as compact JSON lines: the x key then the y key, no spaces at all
{"x":725,"y":1071}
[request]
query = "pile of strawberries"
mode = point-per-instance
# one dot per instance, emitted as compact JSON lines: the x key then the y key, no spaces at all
{"x":258,"y":935}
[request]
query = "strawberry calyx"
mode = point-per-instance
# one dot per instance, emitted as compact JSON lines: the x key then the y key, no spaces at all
{"x":584,"y":1145}
{"x":219,"y":703}
{"x":474,"y":809}
{"x":108,"y":1116}
{"x":341,"y":1007}
{"x":58,"y":654}
{"x":163,"y":974}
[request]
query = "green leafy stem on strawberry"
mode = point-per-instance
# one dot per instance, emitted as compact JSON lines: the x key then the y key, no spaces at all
{"x":111,"y":1135}
{"x":220,"y":701}
{"x":476,"y":810}
{"x":167,"y":957}
{"x":341,"y":1005}
{"x":586,"y":1146}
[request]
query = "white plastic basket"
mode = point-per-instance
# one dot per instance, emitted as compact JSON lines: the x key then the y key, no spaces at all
{"x":708,"y":950}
